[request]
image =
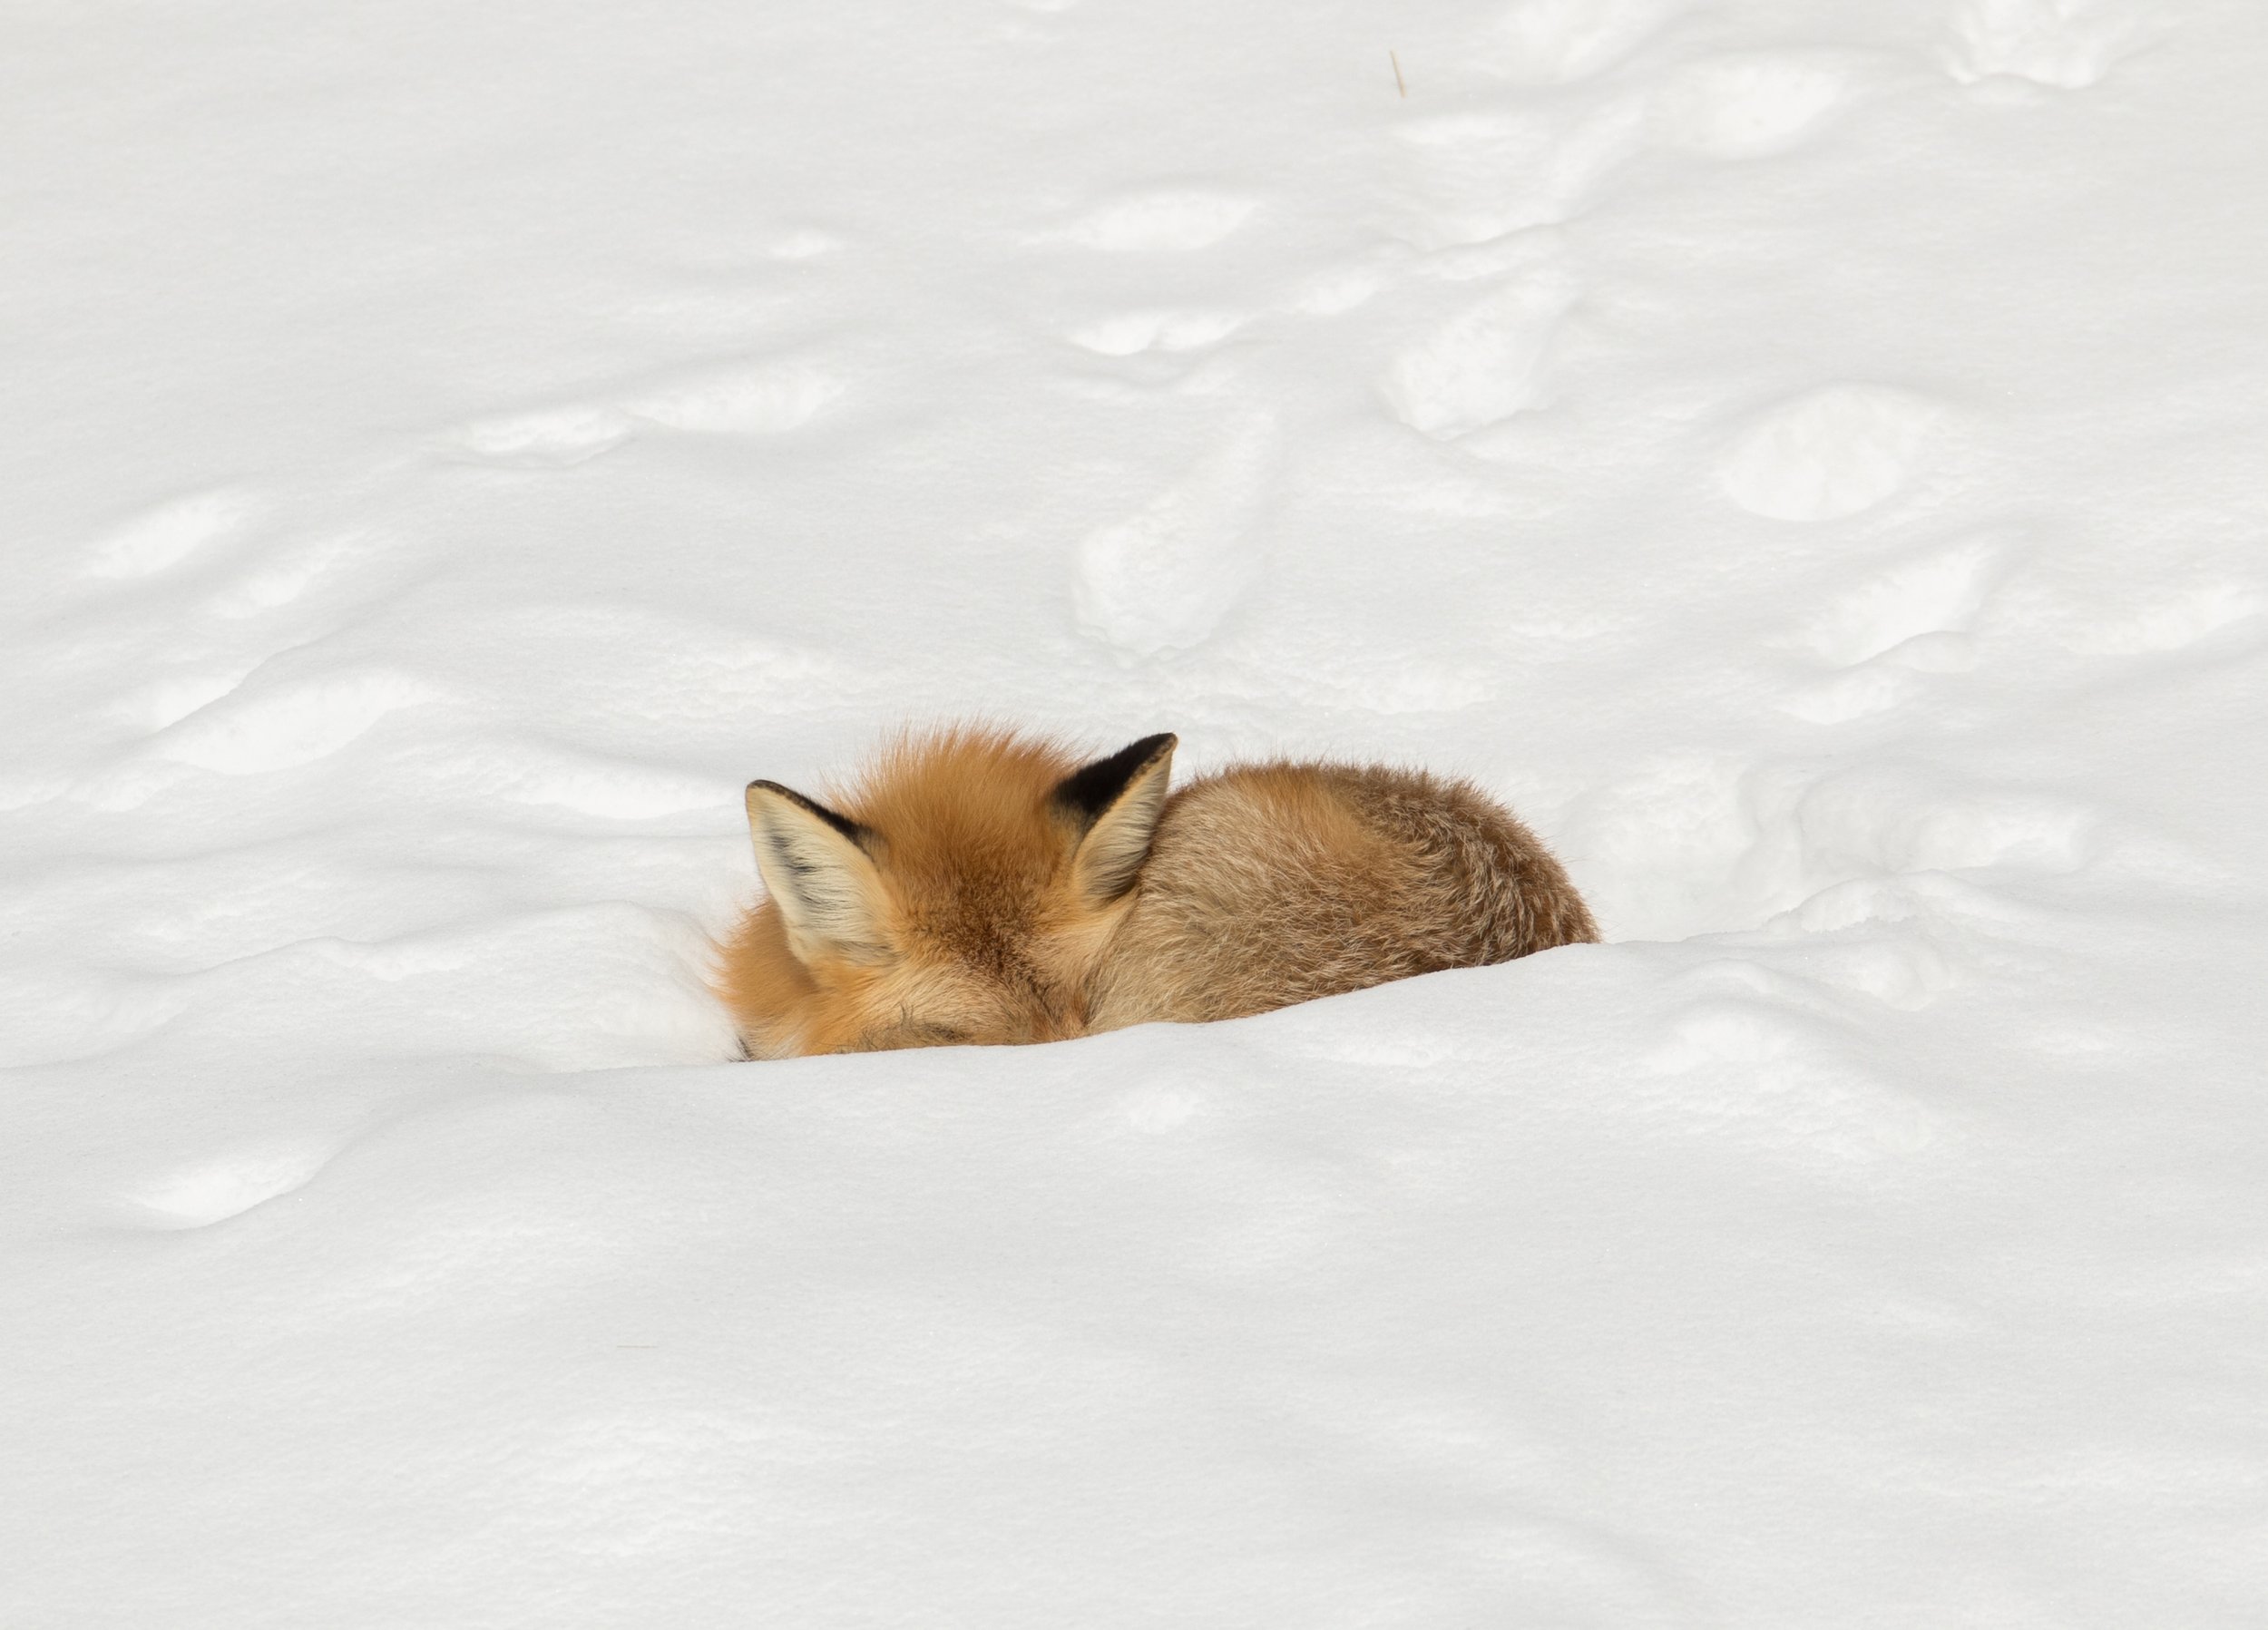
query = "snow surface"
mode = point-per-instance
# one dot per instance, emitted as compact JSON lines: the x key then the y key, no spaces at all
{"x":1806,"y":454}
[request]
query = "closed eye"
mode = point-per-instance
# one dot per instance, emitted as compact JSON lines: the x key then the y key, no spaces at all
{"x":910,"y":1031}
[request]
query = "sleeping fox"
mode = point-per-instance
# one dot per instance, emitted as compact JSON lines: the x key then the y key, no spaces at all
{"x":980,"y":886}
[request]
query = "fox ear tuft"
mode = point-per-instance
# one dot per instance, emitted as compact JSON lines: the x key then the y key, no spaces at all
{"x":1115,"y":803}
{"x":819,"y":869}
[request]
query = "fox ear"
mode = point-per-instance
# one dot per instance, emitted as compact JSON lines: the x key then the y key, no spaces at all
{"x":819,"y":870}
{"x":1115,"y":802}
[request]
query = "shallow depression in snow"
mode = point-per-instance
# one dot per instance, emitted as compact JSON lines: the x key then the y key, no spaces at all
{"x":1803,"y":459}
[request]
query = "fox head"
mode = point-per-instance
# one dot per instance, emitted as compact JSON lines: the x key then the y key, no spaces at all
{"x":963,"y":892}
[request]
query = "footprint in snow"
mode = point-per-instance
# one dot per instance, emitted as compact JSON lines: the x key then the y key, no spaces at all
{"x":199,"y":1195}
{"x":1896,"y":966}
{"x":1892,"y":631}
{"x":1165,"y":220}
{"x":285,"y":575}
{"x":769,"y":398}
{"x":170,"y":533}
{"x":1133,"y":333}
{"x":1477,"y":176}
{"x":1925,"y":896}
{"x":1164,"y":579}
{"x":1747,"y":105}
{"x":1485,"y":363}
{"x":2169,"y":622}
{"x":2066,"y":44}
{"x":1932,"y":593}
{"x":287,"y":725}
{"x":1905,"y":971}
{"x":1800,"y":834}
{"x":553,"y":437}
{"x":1340,"y":290}
{"x":1559,"y":41}
{"x":1875,"y":822}
{"x":1892,"y":679}
{"x":1830,"y":452}
{"x":166,"y":701}
{"x":62,"y":1014}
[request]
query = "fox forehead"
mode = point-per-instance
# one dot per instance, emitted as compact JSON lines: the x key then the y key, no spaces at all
{"x":967,"y":833}
{"x":965,"y":802}
{"x":970,"y":847}
{"x":974,"y":928}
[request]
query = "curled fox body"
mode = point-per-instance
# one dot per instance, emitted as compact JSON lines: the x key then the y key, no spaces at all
{"x":981,"y":886}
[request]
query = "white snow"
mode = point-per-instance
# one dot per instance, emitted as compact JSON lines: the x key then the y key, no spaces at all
{"x":1806,"y":457}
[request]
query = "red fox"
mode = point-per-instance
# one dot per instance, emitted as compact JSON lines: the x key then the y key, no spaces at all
{"x":980,"y":886}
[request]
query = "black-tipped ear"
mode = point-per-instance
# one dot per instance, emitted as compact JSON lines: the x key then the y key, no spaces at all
{"x":1115,"y":803}
{"x":819,"y":869}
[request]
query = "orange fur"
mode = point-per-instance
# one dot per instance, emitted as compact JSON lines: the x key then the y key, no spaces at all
{"x":967,"y":888}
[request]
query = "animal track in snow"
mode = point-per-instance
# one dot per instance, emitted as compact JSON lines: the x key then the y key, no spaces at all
{"x":1342,"y":289}
{"x":2067,"y":44}
{"x":1554,"y":41}
{"x":1895,"y":630}
{"x":2171,"y":622}
{"x":762,"y":399}
{"x":1829,"y":452}
{"x":1924,"y":898}
{"x":1695,"y":844}
{"x":168,"y":533}
{"x":1890,"y":680}
{"x":1745,"y":106}
{"x":1162,"y":580}
{"x":1904,"y":972}
{"x":765,"y":398}
{"x":280,"y":581}
{"x":1869,"y":822}
{"x":163,"y":702}
{"x":289,"y":725}
{"x":1666,"y":843}
{"x":1478,"y":176}
{"x":1484,"y":365}
{"x":1901,"y":970}
{"x":1167,"y":221}
{"x":553,"y":436}
{"x":54,"y":1016}
{"x":1132,"y":332}
{"x":201,"y":1196}
{"x":1781,"y":836}
{"x":22,"y":792}
{"x":1936,"y":594}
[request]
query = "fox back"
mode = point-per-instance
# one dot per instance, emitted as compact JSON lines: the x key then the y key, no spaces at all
{"x":976,"y":885}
